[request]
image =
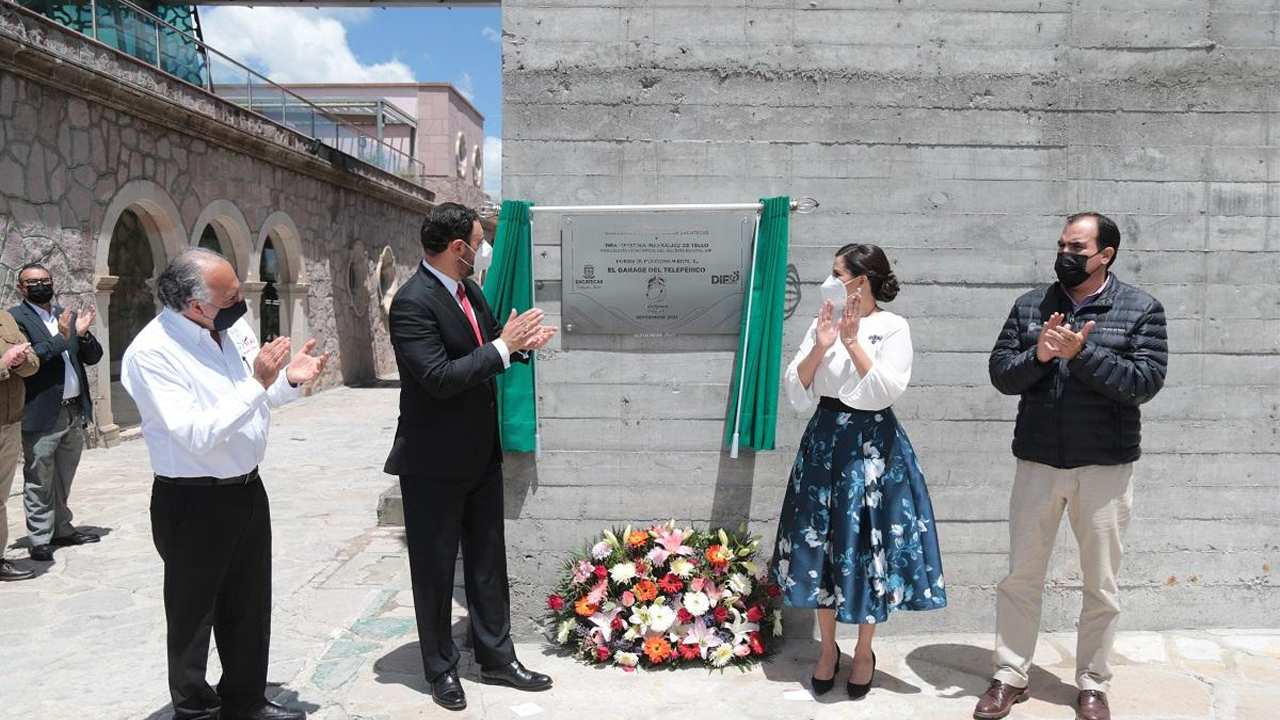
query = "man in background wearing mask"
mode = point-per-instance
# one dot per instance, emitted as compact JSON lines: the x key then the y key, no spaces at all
{"x":447,"y":451}
{"x":1083,"y":353}
{"x":57,"y":410}
{"x":204,"y":389}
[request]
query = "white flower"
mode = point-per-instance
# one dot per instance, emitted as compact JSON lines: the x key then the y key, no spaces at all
{"x":600,"y":550}
{"x":661,"y":618}
{"x":626,"y":659}
{"x":740,"y":626}
{"x":681,"y":567}
{"x":878,"y":564}
{"x":642,"y":616}
{"x":740,"y":584}
{"x":566,"y":627}
{"x":895,"y":530}
{"x":928,"y":594}
{"x":721,"y":655}
{"x":784,"y":568}
{"x":622,"y":572}
{"x":696,"y":603}
{"x":811,"y":537}
{"x":877,"y":538}
{"x":871,"y":620}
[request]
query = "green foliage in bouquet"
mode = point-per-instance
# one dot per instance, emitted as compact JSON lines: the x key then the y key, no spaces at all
{"x":667,"y":597}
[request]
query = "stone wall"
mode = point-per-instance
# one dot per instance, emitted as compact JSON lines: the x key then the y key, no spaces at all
{"x":88,"y":135}
{"x":957,"y":135}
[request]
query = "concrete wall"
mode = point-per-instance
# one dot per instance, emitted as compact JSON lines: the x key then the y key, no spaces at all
{"x":957,"y":135}
{"x":87,"y":134}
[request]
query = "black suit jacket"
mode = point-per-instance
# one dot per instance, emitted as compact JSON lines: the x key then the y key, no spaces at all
{"x":44,"y":389}
{"x":448,"y":427}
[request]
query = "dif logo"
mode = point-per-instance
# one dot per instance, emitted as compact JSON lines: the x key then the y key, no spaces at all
{"x":730,"y":279}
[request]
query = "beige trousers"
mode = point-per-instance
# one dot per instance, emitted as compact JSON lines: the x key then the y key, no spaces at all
{"x":1098,"y":500}
{"x":10,"y":450}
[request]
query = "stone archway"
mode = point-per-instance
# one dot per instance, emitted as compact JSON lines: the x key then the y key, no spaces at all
{"x":221,"y":227}
{"x":276,"y":289}
{"x":141,"y":230}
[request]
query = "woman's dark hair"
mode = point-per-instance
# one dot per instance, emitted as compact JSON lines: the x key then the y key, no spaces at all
{"x":870,"y":260}
{"x":445,"y":223}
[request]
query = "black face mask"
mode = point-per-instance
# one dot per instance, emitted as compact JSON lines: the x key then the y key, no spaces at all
{"x":228,"y":316}
{"x":1071,"y":269}
{"x":40,"y":294}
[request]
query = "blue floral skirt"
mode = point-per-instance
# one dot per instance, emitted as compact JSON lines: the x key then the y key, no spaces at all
{"x":857,"y":534}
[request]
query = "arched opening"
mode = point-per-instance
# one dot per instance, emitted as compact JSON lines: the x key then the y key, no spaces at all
{"x":132,"y":260}
{"x":269,"y":305}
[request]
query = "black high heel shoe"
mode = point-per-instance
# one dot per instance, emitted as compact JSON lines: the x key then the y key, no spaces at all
{"x":822,"y":686}
{"x":860,"y":690}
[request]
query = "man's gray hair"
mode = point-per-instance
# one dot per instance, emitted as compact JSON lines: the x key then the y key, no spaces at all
{"x":183,"y":279}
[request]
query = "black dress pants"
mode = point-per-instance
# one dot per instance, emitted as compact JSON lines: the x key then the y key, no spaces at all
{"x":438,"y":514}
{"x":216,"y":545}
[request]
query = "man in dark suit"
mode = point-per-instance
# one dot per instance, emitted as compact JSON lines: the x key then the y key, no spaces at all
{"x":58,"y":408}
{"x":448,"y":454}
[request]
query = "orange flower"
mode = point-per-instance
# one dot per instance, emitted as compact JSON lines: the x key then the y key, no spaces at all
{"x":658,"y":649}
{"x":638,"y":538}
{"x":585,"y":607}
{"x":719,"y":555}
{"x":645,"y":590}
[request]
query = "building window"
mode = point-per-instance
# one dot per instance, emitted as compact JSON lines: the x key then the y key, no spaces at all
{"x":462,"y":155}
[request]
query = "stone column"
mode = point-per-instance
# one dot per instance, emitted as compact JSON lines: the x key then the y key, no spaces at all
{"x":110,"y":431}
{"x":293,"y":312}
{"x":252,"y":292}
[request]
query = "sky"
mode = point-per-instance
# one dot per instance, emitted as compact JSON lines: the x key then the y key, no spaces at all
{"x":462,"y":46}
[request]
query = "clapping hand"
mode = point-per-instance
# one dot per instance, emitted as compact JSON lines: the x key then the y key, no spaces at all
{"x":827,"y":331}
{"x":64,"y":323}
{"x":1057,"y":339}
{"x":16,"y":355}
{"x":526,"y":331}
{"x":85,"y":320}
{"x":851,"y":319}
{"x":306,"y":367}
{"x":270,"y":360}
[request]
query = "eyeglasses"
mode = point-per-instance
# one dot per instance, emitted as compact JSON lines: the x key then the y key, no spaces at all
{"x":46,"y":282}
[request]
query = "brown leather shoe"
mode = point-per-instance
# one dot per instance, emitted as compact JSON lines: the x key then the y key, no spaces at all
{"x":998,"y":700}
{"x":1092,"y":705}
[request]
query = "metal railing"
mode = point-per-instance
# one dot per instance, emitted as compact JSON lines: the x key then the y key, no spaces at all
{"x":131,"y":29}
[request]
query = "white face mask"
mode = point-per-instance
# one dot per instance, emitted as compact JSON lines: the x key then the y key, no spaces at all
{"x":833,"y":291}
{"x":483,"y":257}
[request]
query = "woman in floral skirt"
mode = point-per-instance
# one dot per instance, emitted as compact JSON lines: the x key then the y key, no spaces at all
{"x":856,"y":537}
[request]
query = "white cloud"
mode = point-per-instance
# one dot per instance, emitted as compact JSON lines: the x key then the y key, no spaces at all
{"x":493,"y":164}
{"x":296,"y":46}
{"x":491,"y":35}
{"x":466,"y":86}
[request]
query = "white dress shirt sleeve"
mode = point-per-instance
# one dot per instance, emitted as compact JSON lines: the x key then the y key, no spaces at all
{"x":802,"y":398}
{"x":501,"y":346}
{"x":890,"y":372}
{"x":281,"y":392}
{"x":161,"y":390}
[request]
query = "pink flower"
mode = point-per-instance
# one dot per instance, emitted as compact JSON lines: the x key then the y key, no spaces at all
{"x":628,"y":598}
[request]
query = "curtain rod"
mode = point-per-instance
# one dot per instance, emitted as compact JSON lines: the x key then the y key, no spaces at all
{"x":802,"y":206}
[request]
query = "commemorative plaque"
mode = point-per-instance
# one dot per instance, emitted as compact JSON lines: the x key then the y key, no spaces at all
{"x":661,"y":273}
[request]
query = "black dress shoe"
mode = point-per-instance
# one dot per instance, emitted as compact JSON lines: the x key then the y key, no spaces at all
{"x":860,"y":690}
{"x":268,"y":710}
{"x":41,"y":553}
{"x":821,"y":687}
{"x":446,"y":690}
{"x":75,"y":538}
{"x":9,"y":571}
{"x":516,"y":675}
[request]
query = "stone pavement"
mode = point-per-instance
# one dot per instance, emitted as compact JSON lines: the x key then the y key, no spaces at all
{"x":86,"y":638}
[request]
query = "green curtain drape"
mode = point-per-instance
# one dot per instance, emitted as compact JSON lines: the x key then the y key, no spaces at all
{"x":761,"y":334}
{"x":509,"y":284}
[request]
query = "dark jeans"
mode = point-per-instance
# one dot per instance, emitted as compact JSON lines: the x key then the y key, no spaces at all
{"x":216,"y":547}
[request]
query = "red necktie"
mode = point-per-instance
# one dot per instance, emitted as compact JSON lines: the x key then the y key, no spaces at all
{"x":466,"y":308}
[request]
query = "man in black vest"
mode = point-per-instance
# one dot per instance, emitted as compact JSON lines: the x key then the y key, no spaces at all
{"x":1083,"y":354}
{"x":57,"y":410}
{"x":448,"y":453}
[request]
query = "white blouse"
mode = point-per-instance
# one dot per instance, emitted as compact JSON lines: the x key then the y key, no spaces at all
{"x":886,"y":339}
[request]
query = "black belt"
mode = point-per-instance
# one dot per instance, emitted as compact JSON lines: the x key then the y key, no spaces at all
{"x":251,"y":476}
{"x":830,"y":403}
{"x":71,"y":401}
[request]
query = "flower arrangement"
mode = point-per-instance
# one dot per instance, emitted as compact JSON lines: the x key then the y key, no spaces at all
{"x":666,"y":597}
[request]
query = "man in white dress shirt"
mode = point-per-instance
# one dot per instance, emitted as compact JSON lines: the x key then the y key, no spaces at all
{"x":204,"y":389}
